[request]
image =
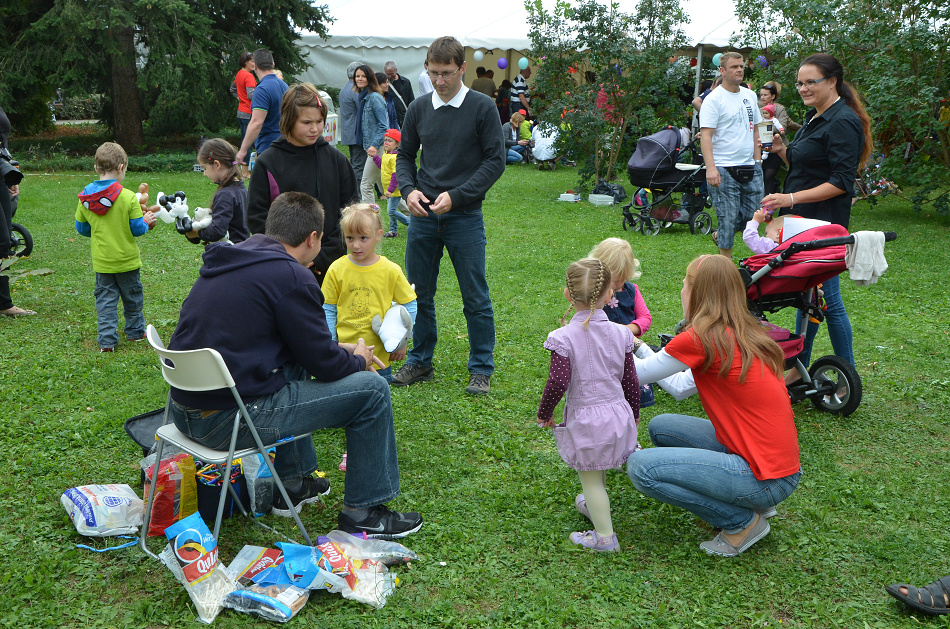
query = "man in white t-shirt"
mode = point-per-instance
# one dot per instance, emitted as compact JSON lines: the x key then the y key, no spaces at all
{"x":731,"y":151}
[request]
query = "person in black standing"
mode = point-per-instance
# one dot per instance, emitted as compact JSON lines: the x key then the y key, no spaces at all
{"x":7,"y":193}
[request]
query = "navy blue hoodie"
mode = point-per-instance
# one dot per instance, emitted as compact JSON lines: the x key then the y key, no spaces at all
{"x":260,"y":308}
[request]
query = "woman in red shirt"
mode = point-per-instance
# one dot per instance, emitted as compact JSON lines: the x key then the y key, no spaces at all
{"x":732,"y":469}
{"x":245,"y":84}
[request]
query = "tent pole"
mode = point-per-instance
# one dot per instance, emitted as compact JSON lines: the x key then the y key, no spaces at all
{"x":699,"y":69}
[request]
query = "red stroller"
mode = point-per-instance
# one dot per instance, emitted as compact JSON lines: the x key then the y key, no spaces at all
{"x":788,"y":276}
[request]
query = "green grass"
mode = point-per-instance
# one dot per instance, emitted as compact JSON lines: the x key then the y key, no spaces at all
{"x":872,"y":507}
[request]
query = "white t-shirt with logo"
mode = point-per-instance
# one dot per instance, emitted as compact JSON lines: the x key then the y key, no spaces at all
{"x":733,"y":115}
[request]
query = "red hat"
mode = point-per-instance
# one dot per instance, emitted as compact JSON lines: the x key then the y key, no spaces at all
{"x":394,"y":134}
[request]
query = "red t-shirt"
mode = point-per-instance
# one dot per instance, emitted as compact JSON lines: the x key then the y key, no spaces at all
{"x":244,"y":80}
{"x":753,"y":419}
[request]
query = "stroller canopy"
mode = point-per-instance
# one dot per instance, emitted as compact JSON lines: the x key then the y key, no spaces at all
{"x":659,"y":151}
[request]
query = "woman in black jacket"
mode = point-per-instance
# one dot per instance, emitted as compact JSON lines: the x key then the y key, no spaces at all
{"x":823,"y":161}
{"x":302,"y":161}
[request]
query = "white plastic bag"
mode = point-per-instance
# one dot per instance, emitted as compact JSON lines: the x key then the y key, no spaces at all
{"x":103,"y":510}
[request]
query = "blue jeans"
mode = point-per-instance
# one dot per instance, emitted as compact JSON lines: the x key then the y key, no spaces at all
{"x":242,"y":125}
{"x":359,"y":403}
{"x":109,"y":288}
{"x":515,"y":155}
{"x":735,"y":204}
{"x":839,"y":326}
{"x":463,"y":235}
{"x":690,"y":469}
{"x":392,"y":208}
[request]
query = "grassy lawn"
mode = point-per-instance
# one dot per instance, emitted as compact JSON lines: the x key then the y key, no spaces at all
{"x":871,"y":509}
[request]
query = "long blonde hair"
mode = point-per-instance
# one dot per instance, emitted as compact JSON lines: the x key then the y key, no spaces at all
{"x":718,"y":312}
{"x":587,"y":281}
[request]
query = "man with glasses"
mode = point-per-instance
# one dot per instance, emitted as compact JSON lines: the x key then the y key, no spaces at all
{"x":728,"y":123}
{"x":463,"y":154}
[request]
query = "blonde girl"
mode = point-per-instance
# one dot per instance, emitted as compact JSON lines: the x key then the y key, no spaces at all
{"x":363,"y":283}
{"x":229,"y":204}
{"x":592,"y":364}
{"x":626,"y":306}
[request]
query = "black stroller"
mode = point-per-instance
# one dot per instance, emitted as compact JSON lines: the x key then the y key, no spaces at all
{"x":669,"y":172}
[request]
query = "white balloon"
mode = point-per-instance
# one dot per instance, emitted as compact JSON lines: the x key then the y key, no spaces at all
{"x":479,"y":55}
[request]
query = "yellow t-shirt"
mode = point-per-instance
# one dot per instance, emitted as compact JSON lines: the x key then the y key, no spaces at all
{"x":388,"y":169}
{"x":114,"y":249}
{"x":359,"y":292}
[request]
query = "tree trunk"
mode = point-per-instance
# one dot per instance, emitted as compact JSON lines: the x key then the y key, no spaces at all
{"x":127,"y":113}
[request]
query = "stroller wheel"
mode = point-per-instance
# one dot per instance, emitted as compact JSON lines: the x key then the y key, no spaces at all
{"x":21,"y":241}
{"x":700,"y":223}
{"x":838,"y":384}
{"x":649,"y":226}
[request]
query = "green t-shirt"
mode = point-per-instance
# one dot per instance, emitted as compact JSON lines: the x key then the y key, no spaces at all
{"x":114,"y":249}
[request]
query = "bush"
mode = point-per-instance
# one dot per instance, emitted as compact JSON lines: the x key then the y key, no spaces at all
{"x":87,"y":107}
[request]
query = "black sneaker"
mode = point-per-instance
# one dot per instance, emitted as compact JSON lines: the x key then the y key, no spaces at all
{"x":382,"y":523}
{"x":478,"y":384}
{"x":312,"y":490}
{"x":410,"y":373}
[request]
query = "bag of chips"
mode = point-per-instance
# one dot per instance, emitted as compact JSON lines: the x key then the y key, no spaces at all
{"x":177,"y":495}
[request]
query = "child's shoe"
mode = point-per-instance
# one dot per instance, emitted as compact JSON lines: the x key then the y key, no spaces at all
{"x":580,"y":503}
{"x":590,"y":539}
{"x":390,"y":234}
{"x":106,"y":350}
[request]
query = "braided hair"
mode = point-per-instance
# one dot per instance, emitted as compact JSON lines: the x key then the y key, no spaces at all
{"x":587,"y":281}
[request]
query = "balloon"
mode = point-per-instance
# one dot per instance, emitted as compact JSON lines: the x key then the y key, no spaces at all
{"x":762,"y":62}
{"x":716,"y":58}
{"x":478,"y":56}
{"x":523,"y":63}
{"x":692,"y":62}
{"x":502,"y":63}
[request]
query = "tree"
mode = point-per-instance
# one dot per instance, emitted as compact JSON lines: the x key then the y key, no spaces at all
{"x":898,"y":59}
{"x":166,"y":61}
{"x":604,"y":76}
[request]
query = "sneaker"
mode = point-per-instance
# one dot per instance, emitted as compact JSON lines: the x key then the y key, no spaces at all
{"x":138,"y":338}
{"x":478,"y":384}
{"x":719,"y":545}
{"x":590,"y":539}
{"x":382,"y":523}
{"x":771,"y":512}
{"x":106,"y":350}
{"x":411,"y":372}
{"x":390,"y":234}
{"x":580,"y":503}
{"x":312,"y":490}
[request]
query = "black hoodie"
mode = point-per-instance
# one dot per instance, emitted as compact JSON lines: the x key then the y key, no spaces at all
{"x":259,"y":308}
{"x":320,"y":171}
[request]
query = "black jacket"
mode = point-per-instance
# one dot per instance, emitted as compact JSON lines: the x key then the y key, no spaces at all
{"x":260,"y":309}
{"x":320,"y":171}
{"x":826,"y":149}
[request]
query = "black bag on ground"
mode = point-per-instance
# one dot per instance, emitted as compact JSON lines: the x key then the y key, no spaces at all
{"x":614,"y":190}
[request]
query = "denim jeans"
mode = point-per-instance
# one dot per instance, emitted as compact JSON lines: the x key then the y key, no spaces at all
{"x":463,"y":235}
{"x":359,"y":403}
{"x":109,"y":288}
{"x":839,"y":326}
{"x":515,"y":155}
{"x":690,"y":469}
{"x":242,"y":125}
{"x":735,"y":204}
{"x":393,"y":205}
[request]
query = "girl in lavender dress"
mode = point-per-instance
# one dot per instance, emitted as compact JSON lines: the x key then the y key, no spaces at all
{"x":592,"y":362}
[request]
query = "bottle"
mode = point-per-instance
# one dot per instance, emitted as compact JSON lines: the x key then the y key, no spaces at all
{"x":250,"y":162}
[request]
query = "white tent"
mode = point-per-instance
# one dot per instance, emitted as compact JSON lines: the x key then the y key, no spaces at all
{"x":374,"y":31}
{"x":377,"y":31}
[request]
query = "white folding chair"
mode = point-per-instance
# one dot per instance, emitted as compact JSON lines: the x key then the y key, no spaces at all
{"x":205,"y":370}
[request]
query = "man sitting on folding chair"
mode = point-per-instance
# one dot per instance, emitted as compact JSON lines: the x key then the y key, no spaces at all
{"x":259,"y":305}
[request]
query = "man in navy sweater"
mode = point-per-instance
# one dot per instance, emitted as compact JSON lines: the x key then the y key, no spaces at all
{"x":463,"y":155}
{"x":259,"y":306}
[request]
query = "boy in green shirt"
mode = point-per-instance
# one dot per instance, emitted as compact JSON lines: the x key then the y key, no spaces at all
{"x":112,"y":217}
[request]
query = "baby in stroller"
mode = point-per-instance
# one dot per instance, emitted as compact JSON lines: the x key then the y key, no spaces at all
{"x":789,"y":275}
